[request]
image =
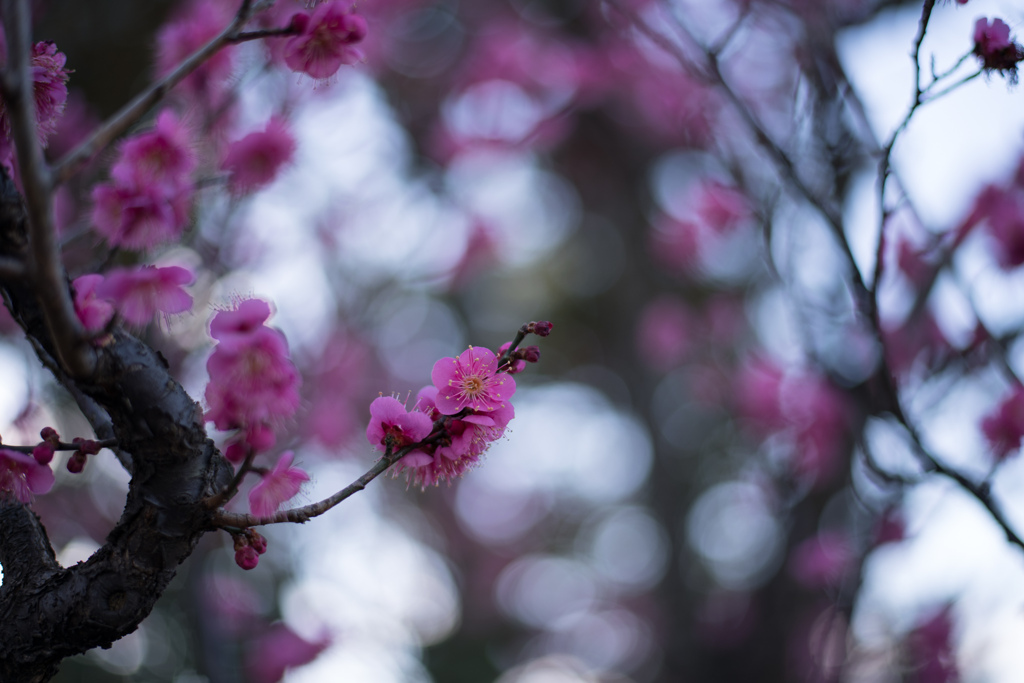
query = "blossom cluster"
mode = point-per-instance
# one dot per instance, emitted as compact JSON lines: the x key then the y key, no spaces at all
{"x":136,"y":293}
{"x":146,"y":202}
{"x":50,"y":90}
{"x":456,"y":418}
{"x":253,"y":383}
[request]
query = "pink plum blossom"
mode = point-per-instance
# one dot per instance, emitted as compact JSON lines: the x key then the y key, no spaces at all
{"x":277,"y":486}
{"x":50,"y":76}
{"x":277,"y":651}
{"x":392,"y":426}
{"x":252,"y":378}
{"x":1005,"y":427}
{"x":141,"y":292}
{"x":21,"y":476}
{"x":140,"y":216}
{"x":325,"y":40}
{"x":93,"y":311}
{"x":464,"y":442}
{"x":161,"y":156}
{"x":255,"y":160}
{"x":236,"y":323}
{"x":471,"y":381}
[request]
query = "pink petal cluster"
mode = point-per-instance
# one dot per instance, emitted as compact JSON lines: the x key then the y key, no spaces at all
{"x":252,"y":379}
{"x":994,"y":46}
{"x":277,"y":486}
{"x":325,"y":40}
{"x":255,"y":160}
{"x":93,"y":311}
{"x":462,"y":442}
{"x":139,"y":293}
{"x":21,"y":476}
{"x":147,"y":202}
{"x":1004,"y":428}
{"x":392,"y":426}
{"x":50,"y":77}
{"x":471,"y":381}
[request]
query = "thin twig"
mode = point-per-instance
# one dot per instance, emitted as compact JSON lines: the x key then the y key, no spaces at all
{"x":120,"y":122}
{"x":783,"y":162}
{"x":61,"y":446}
{"x":300,"y":515}
{"x":231,"y":491}
{"x":46,"y":270}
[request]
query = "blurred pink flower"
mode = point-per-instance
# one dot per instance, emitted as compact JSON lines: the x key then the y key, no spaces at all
{"x":995,"y":47}
{"x":21,"y":475}
{"x":931,"y":649}
{"x":471,"y":381}
{"x":93,"y":311}
{"x":194,"y":27}
{"x":278,"y":650}
{"x":139,"y":293}
{"x":161,"y":156}
{"x":325,"y":40}
{"x":256,"y":159}
{"x":277,"y":486}
{"x":140,"y":216}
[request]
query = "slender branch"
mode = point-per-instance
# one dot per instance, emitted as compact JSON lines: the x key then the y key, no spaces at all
{"x":232,"y":489}
{"x":129,"y":114}
{"x":263,"y":33}
{"x":61,"y":446}
{"x":46,"y":270}
{"x":303,"y":514}
{"x":781,"y":159}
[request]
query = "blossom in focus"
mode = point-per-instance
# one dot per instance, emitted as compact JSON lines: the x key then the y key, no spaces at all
{"x":255,"y":160}
{"x":277,"y":651}
{"x":1005,"y":427}
{"x":463,"y":443}
{"x":93,"y":311}
{"x":21,"y":476}
{"x":391,"y":425}
{"x":325,"y":40}
{"x":140,"y":292}
{"x":277,"y":486}
{"x":471,"y":381}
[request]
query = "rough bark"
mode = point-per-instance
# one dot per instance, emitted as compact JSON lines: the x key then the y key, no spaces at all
{"x":48,"y":612}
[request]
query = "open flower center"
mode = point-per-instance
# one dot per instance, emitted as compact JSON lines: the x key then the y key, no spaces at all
{"x":472,"y":385}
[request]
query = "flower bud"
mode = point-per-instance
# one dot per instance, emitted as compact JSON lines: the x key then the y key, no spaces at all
{"x":541,"y":329}
{"x":246,"y":557}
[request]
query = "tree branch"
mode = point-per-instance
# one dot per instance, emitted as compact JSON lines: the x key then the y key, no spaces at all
{"x":71,"y":345}
{"x":129,"y":114}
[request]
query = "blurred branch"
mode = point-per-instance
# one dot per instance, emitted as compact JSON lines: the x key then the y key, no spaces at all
{"x":120,"y":122}
{"x":711,"y":73}
{"x":45,"y":268}
{"x":12,"y":269}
